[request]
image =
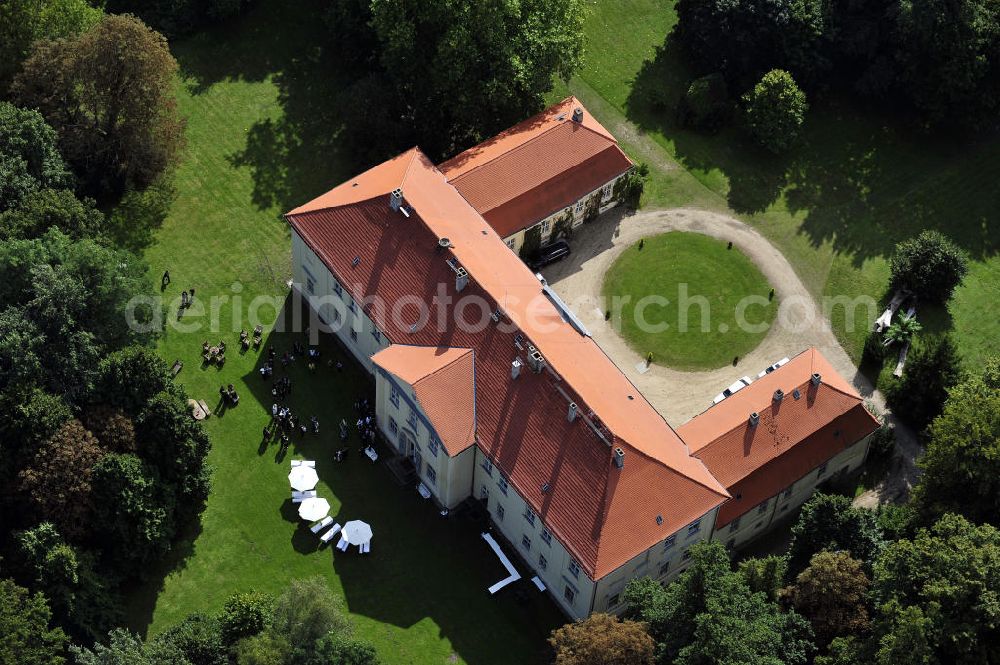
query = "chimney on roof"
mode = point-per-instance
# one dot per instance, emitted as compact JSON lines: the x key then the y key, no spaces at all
{"x":754,"y":419}
{"x":578,"y":114}
{"x":571,"y":413}
{"x":779,"y":394}
{"x":515,"y":368}
{"x":395,"y":199}
{"x":619,"y":458}
{"x":536,"y":361}
{"x":461,"y":278}
{"x":816,"y":379}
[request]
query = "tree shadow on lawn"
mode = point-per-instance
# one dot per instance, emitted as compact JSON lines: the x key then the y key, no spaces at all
{"x":297,"y":155}
{"x":862,"y":177}
{"x":421,"y":566}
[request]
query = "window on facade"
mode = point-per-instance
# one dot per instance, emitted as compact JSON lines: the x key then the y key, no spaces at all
{"x":664,"y":567}
{"x":546,"y":537}
{"x":338,"y":289}
{"x":433,"y":445}
{"x":734,"y":525}
{"x":529,"y":515}
{"x":354,"y":335}
{"x":731,"y":544}
{"x":821,"y":470}
{"x":546,"y":225}
{"x":394,"y":397}
{"x":606,"y":192}
{"x":579,"y":206}
{"x":487,"y":466}
{"x":694,"y":527}
{"x":669,"y":542}
{"x":352,"y":306}
{"x":569,"y":594}
{"x":432,"y":475}
{"x":377,"y":335}
{"x":542,"y":562}
{"x":788,"y":491}
{"x":310,"y":285}
{"x":511,"y":242}
{"x":574,"y":568}
{"x":502,"y":484}
{"x":526,"y":543}
{"x":686,"y":555}
{"x":762,"y":508}
{"x":613,"y":600}
{"x":411,"y":419}
{"x":484,"y":493}
{"x":500,"y":512}
{"x":393,"y":427}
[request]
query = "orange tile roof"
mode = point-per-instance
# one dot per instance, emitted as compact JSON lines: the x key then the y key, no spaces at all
{"x":537,"y":167}
{"x":792,"y":437}
{"x":443,"y":381}
{"x":604,"y":516}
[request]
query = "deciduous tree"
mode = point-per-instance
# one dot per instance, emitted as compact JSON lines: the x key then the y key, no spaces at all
{"x":775,"y":110}
{"x":43,"y":209}
{"x":961,"y":465}
{"x":25,"y":635}
{"x":460,"y":72}
{"x":937,"y":595}
{"x":23,"y":22}
{"x":930,"y":265}
{"x":602,"y":639}
{"x":932,"y":368}
{"x":243,"y":615}
{"x":29,"y":157}
{"x":831,"y":593}
{"x":830,"y":522}
{"x":131,"y":513}
{"x":109,"y":93}
{"x":57,"y":483}
{"x":709,"y":615}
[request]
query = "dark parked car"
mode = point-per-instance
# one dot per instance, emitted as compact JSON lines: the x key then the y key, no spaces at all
{"x":549,"y":254}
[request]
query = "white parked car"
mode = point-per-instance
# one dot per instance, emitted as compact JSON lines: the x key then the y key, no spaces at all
{"x":771,"y":368}
{"x":739,"y":385}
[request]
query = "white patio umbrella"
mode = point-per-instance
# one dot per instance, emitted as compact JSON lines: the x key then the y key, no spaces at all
{"x":357,"y":532}
{"x":314,"y":509}
{"x":303,"y":478}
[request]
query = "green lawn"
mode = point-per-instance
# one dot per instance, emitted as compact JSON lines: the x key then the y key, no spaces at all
{"x":261,"y":139}
{"x":693,"y":268}
{"x":835,"y":206}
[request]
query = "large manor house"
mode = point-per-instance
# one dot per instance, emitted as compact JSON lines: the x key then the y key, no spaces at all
{"x":580,"y":474}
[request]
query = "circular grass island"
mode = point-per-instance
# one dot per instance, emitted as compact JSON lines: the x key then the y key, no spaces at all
{"x":686,"y":298}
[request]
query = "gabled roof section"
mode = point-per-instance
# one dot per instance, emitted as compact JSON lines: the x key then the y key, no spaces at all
{"x":809,"y":425}
{"x":443,"y":381}
{"x":537,"y":167}
{"x":378,"y":180}
{"x":603,"y":515}
{"x":518,"y":135}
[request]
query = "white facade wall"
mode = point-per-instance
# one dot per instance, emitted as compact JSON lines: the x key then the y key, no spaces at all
{"x":405,"y":425}
{"x":507,"y":510}
{"x":334,"y":304}
{"x":759,"y":519}
{"x":578,"y":208}
{"x":663,"y":562}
